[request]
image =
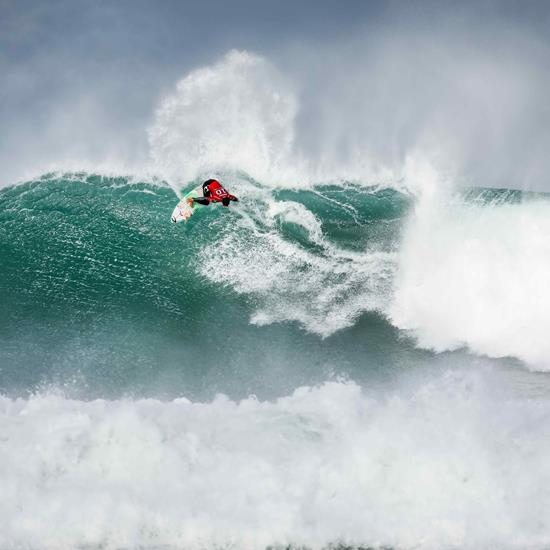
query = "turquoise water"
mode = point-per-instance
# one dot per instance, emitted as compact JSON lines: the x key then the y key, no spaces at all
{"x":102,"y":294}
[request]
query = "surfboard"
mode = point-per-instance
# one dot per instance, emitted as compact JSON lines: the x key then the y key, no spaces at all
{"x":184,"y":211}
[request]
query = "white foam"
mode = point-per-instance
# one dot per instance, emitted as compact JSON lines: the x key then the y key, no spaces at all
{"x":321,"y":286}
{"x":450,"y":464}
{"x":477,"y":275}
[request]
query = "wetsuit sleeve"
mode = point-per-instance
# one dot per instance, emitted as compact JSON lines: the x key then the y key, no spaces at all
{"x":201,"y":200}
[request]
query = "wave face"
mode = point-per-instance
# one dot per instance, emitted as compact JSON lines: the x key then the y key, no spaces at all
{"x":110,"y":283}
{"x":112,"y":291}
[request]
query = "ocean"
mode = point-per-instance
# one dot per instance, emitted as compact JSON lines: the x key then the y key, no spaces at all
{"x":333,"y":365}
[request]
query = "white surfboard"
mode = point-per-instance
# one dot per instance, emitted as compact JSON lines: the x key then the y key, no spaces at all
{"x":184,"y":211}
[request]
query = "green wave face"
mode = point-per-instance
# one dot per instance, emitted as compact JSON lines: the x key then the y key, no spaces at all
{"x":102,"y":295}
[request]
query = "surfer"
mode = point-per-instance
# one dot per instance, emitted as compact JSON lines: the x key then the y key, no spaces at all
{"x":213,"y":191}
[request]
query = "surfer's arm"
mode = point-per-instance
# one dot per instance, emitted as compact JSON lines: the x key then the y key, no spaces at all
{"x":201,"y":200}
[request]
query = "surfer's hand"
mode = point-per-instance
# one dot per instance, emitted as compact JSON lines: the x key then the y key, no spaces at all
{"x":190,"y":201}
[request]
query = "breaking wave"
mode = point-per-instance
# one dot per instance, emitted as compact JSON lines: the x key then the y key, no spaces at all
{"x":450,"y":463}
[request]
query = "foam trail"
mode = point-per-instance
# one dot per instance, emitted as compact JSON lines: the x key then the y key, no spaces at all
{"x":451,"y":463}
{"x":306,"y":279}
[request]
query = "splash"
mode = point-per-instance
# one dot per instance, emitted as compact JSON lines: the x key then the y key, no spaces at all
{"x":237,"y":114}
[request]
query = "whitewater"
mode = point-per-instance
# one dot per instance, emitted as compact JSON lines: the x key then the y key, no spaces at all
{"x":358,"y":359}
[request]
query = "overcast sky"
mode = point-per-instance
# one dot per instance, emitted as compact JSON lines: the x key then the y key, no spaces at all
{"x":80,"y":79}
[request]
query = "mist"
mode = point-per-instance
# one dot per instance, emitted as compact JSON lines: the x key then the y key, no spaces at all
{"x":370,"y":84}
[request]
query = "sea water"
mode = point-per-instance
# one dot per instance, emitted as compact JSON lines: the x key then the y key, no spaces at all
{"x":337,"y":360}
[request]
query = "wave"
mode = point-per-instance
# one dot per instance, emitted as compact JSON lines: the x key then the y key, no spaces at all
{"x":470,"y":272}
{"x":463,"y":270}
{"x":113,"y":297}
{"x":107,"y":241}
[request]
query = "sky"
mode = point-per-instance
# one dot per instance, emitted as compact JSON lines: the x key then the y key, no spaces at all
{"x":465,"y":82}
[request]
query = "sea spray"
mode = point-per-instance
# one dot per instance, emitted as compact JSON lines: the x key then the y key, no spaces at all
{"x":454,"y":462}
{"x":237,"y":114}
